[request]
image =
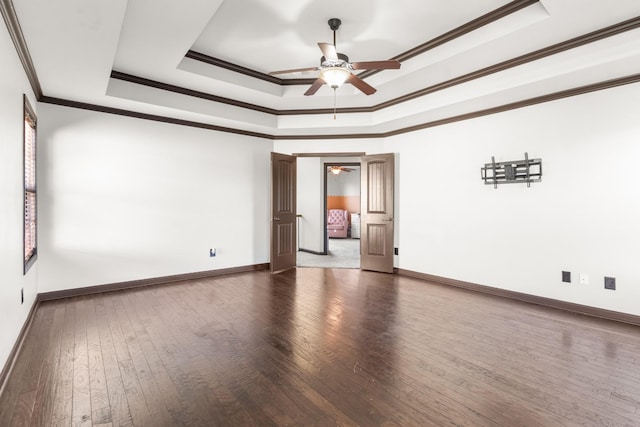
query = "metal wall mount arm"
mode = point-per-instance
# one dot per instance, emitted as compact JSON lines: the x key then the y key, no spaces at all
{"x":526,"y":171}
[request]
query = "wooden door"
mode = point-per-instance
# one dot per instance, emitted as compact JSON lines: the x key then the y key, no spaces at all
{"x":283,"y":212}
{"x":376,"y":241}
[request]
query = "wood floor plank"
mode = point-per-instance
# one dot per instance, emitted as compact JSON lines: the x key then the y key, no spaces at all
{"x":135,"y":400}
{"x":43,"y":404}
{"x":81,"y":405}
{"x":152,"y":335}
{"x":142,"y":327}
{"x":17,"y":409}
{"x":119,"y":408}
{"x":99,"y":394}
{"x":63,"y":385}
{"x":218,"y":404}
{"x":153,"y":395}
{"x":320,"y":347}
{"x":254,"y":384}
{"x":23,"y":382}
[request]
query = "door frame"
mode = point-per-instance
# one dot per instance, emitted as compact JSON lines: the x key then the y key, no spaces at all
{"x":360,"y":155}
{"x":325,"y":196}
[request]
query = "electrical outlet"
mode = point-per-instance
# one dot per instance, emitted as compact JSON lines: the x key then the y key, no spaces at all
{"x":584,"y":279}
{"x":212,"y":252}
{"x":566,"y":276}
{"x":610,"y":283}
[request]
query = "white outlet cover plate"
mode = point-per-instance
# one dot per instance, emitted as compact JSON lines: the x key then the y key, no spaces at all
{"x":584,"y":279}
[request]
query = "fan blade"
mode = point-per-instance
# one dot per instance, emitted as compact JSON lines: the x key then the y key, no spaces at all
{"x":293,"y":70}
{"x":314,"y":87}
{"x":363,"y":86}
{"x":376,"y":65}
{"x":329,"y":51}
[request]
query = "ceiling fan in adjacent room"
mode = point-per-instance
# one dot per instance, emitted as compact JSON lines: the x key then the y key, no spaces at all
{"x":335,"y":68}
{"x":337,"y":169}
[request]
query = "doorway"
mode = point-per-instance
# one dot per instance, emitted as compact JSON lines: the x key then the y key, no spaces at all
{"x":338,"y":193}
{"x":295,"y":232}
{"x":342,"y":195}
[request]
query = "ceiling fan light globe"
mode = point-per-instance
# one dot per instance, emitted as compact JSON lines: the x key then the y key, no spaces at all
{"x":335,"y":170}
{"x":335,"y":76}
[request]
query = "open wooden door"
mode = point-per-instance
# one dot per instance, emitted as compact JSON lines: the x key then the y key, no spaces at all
{"x":283,"y":212}
{"x":376,"y":214}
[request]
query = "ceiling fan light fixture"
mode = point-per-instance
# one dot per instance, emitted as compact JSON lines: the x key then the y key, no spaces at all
{"x":335,"y":170}
{"x":335,"y":76}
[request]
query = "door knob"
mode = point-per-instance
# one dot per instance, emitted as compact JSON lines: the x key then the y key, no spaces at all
{"x":388,"y":219}
{"x":276,"y":219}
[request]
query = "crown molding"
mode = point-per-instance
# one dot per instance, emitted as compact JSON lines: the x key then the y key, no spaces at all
{"x":447,"y":37}
{"x":153,"y":117}
{"x":11,"y":20}
{"x":209,"y":97}
{"x":581,"y":90}
{"x":608,"y":84}
{"x":15,"y":31}
{"x":470,"y":26}
{"x":628,"y":25}
{"x":190,"y":92}
{"x":217,"y":62}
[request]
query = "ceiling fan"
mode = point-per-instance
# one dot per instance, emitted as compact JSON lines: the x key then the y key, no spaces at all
{"x":335,"y":68}
{"x":337,"y":169}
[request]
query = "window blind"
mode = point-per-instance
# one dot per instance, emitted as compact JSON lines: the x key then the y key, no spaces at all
{"x":30,"y":199}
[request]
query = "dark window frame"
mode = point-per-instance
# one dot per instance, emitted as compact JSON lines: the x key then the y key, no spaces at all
{"x":29,"y":182}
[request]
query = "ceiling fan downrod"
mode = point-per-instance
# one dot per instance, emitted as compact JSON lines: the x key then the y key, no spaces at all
{"x":334,"y":24}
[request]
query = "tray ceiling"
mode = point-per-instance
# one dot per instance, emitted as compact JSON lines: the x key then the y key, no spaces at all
{"x":207,"y":61}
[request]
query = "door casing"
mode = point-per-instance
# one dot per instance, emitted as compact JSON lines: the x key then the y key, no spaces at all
{"x":377,"y":248}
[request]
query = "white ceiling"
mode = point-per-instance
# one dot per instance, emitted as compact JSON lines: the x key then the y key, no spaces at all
{"x":76,"y":44}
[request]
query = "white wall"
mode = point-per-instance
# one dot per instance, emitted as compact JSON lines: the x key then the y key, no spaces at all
{"x":13,"y":85}
{"x":125,"y":199}
{"x":310,"y":203}
{"x":364,"y":145}
{"x":584,"y":217}
{"x":345,"y":183}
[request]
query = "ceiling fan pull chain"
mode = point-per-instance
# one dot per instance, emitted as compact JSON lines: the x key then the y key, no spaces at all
{"x":334,"y":103}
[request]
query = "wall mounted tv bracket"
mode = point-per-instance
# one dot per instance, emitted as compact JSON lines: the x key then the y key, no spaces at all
{"x":527,"y":170}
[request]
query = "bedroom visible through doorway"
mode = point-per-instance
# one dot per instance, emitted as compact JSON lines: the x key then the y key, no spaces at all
{"x":337,"y":226}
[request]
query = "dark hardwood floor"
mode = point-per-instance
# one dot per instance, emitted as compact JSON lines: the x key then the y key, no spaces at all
{"x":319,"y":347}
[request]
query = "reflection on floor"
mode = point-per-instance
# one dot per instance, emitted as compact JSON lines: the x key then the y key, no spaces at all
{"x":343,"y":253}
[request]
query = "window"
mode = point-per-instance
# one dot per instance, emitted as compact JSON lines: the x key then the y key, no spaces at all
{"x":30,"y":199}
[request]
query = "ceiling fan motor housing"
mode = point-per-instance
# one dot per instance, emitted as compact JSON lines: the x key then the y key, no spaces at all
{"x":343,"y":61}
